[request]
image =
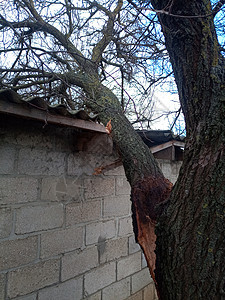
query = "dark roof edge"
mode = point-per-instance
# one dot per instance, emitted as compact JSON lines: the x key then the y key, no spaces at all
{"x":33,"y":113}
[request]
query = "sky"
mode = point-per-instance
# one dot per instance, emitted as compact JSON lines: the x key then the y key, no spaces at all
{"x":165,"y":102}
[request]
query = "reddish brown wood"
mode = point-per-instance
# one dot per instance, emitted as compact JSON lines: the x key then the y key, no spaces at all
{"x":149,"y":196}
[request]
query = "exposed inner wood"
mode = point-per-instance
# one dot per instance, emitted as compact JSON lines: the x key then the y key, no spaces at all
{"x":149,"y":197}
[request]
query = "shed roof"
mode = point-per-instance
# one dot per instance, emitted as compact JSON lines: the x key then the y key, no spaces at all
{"x":157,"y":137}
{"x":36,"y":108}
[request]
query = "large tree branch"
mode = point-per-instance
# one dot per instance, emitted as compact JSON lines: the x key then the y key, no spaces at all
{"x":32,"y":83}
{"x":107,"y":34}
{"x":68,"y":5}
{"x":40,"y":25}
{"x":197,"y":39}
{"x":52,"y":54}
{"x":100,"y":7}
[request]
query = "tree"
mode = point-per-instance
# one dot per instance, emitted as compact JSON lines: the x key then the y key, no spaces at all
{"x":190,"y":247}
{"x":189,"y":216}
{"x":105,"y":36}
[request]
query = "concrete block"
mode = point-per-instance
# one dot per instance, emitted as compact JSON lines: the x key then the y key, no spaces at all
{"x":133,"y":246}
{"x":137,"y":296}
{"x":48,"y":188}
{"x":6,"y":216}
{"x":32,"y":296}
{"x":65,"y":138}
{"x":2,"y":286}
{"x":30,"y":136}
{"x":99,"y":278}
{"x":38,"y":218}
{"x":173,"y":179}
{"x":119,"y":171}
{"x":144,"y":262}
{"x":118,"y":290}
{"x":112,"y":249}
{"x":69,"y":290}
{"x":83,"y":212}
{"x":61,"y":189}
{"x":176,"y":167}
{"x":99,"y":187}
{"x":166,"y":169}
{"x":15,"y":190}
{"x":129,"y":265}
{"x":76,"y":263}
{"x":140,"y":280}
{"x":29,"y":279}
{"x":159,"y":161}
{"x":95,"y":143}
{"x":101,"y":144}
{"x":116,"y":206}
{"x":81,"y":163}
{"x":74,"y":189}
{"x":7,"y":156}
{"x":19,"y":252}
{"x":125,"y":226}
{"x":122,"y":186}
{"x":150,"y":292}
{"x":41,"y":162}
{"x":100,"y":231}
{"x":61,"y":241}
{"x":96,"y":296}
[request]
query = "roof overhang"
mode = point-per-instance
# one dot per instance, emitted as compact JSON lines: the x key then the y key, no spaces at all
{"x":43,"y":115}
{"x":164,"y":146}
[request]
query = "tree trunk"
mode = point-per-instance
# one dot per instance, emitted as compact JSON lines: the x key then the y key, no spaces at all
{"x":149,"y":188}
{"x":190,"y":247}
{"x":190,"y":232}
{"x":190,"y":229}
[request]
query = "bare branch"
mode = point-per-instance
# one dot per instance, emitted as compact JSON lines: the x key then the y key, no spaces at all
{"x":167,"y":10}
{"x":77,"y":44}
{"x":107,"y":34}
{"x":41,"y":25}
{"x":218,"y":7}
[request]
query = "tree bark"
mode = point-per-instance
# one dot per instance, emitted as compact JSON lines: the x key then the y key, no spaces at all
{"x":190,"y":247}
{"x":149,"y":188}
{"x":190,"y":219}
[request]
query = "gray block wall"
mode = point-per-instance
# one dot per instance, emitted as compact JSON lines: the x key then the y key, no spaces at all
{"x":65,"y":233}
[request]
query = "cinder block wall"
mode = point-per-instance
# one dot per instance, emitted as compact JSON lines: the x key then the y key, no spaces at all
{"x":65,"y":234}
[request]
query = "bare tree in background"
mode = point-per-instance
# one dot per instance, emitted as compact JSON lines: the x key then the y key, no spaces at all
{"x":67,"y":50}
{"x":46,"y":41}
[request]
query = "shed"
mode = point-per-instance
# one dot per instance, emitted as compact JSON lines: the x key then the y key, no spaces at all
{"x":164,"y":144}
{"x":65,"y":234}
